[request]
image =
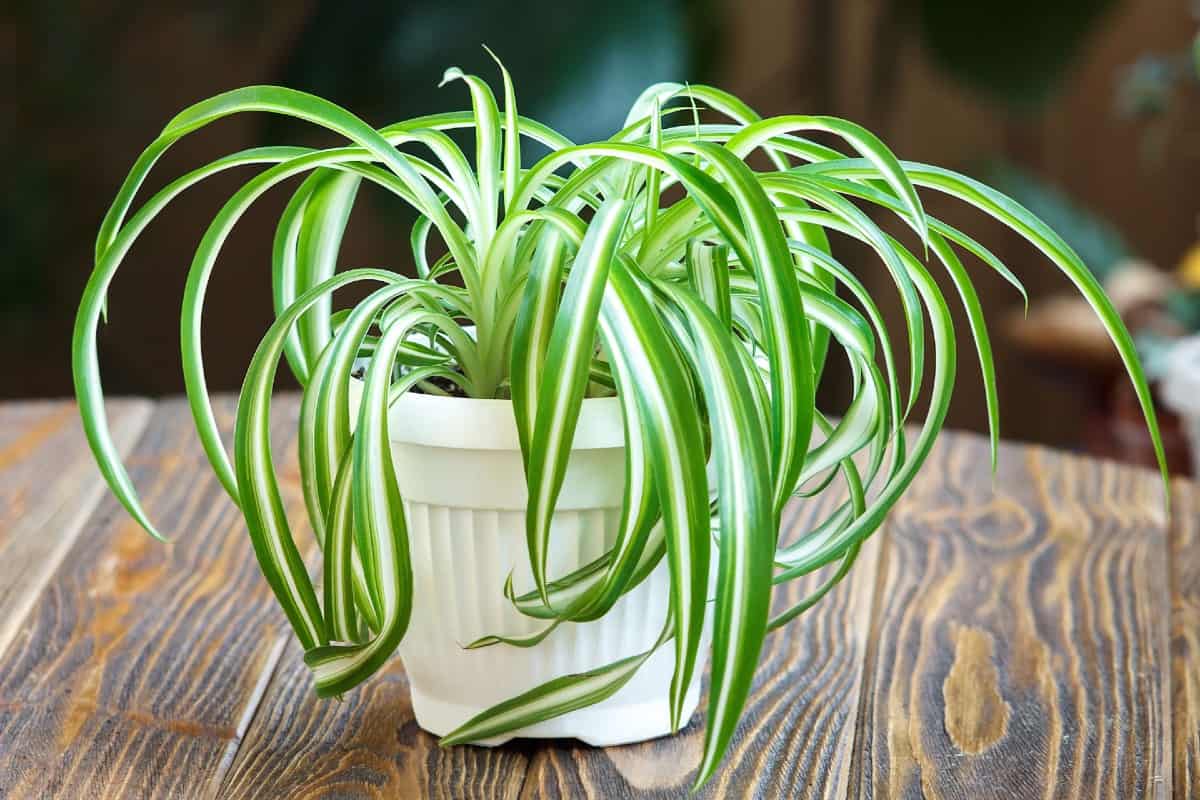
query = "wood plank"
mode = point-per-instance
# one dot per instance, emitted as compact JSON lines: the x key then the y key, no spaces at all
{"x":796,"y":736}
{"x":48,"y":487}
{"x":140,"y":663}
{"x":367,"y":745}
{"x":1185,"y":638}
{"x":1020,"y":641}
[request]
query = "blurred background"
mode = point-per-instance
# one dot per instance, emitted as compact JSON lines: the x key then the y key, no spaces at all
{"x":1087,"y":111}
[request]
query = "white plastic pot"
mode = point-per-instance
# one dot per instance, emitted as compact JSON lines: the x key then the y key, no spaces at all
{"x":1181,"y":391}
{"x":458,"y":464}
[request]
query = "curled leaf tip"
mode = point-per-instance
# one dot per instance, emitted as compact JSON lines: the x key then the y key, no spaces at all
{"x":140,"y":517}
{"x":159,"y":536}
{"x":482,"y":641}
{"x":451,"y":74}
{"x":492,"y":53}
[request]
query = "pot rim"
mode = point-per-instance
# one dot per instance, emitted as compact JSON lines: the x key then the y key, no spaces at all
{"x":468,"y":423}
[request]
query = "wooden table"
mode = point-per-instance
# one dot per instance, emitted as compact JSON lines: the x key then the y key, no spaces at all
{"x":1034,"y":637}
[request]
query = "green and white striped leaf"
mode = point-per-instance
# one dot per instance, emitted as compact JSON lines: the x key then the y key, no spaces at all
{"x":748,"y":522}
{"x":276,"y":550}
{"x":553,"y":698}
{"x":564,"y":379}
{"x":674,"y":442}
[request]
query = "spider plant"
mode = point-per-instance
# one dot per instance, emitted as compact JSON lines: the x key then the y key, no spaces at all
{"x":658,"y":265}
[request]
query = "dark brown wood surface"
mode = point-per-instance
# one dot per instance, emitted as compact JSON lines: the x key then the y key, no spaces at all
{"x":1184,"y":556}
{"x":1020,"y":633}
{"x":1035,"y":635}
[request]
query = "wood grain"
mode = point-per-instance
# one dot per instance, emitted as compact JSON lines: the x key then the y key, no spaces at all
{"x":1185,"y":638}
{"x":367,"y":745}
{"x":48,"y":487}
{"x":136,"y":670}
{"x":1020,"y":635}
{"x":795,"y":738}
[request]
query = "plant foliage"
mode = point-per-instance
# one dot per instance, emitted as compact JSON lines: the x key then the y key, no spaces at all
{"x":658,"y":264}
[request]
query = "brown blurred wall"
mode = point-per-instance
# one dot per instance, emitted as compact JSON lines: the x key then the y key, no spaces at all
{"x":1075,"y":142}
{"x":165,"y":61}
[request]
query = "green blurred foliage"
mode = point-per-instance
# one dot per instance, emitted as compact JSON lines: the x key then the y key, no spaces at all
{"x":578,"y":65}
{"x":1015,"y":51}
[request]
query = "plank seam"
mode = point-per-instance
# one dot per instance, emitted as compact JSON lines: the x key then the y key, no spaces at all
{"x":866,"y":697}
{"x":253,"y":706}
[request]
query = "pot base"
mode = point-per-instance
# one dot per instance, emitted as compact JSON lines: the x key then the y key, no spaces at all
{"x":603,"y":725}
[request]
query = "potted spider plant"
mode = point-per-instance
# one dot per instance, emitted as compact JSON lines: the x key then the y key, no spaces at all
{"x":549,"y":466}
